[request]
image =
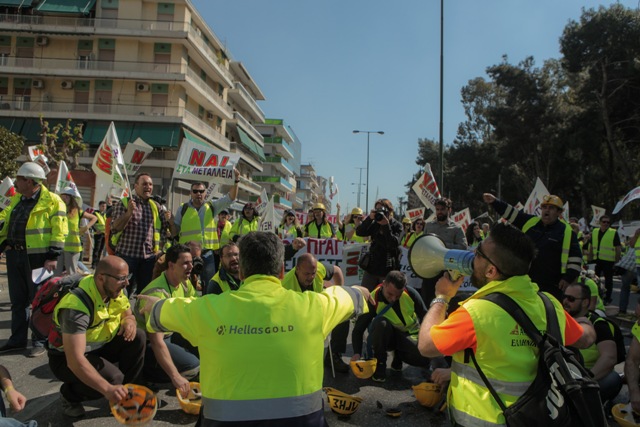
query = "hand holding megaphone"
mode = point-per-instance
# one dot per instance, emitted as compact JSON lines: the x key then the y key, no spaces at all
{"x":428,"y":256}
{"x":448,"y":286}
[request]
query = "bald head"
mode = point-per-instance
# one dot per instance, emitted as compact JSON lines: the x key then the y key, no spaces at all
{"x":110,"y":264}
{"x":306,"y":259}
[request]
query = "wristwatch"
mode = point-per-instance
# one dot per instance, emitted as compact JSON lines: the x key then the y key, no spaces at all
{"x":439,"y":299}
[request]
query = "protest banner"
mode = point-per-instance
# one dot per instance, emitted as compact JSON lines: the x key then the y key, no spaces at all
{"x":197,"y":162}
{"x":414,"y":214}
{"x":630,"y":196}
{"x":109,"y":167}
{"x":426,"y":188}
{"x":65,"y":179}
{"x":462,"y":218}
{"x":268,"y":219}
{"x":565,"y":211}
{"x":597,"y":213}
{"x":34,"y":152}
{"x":135,"y":153}
{"x":532,"y":205}
{"x":262,"y":201}
{"x":7,"y":191}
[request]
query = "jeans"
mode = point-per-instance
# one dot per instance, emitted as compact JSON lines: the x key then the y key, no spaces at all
{"x":625,"y":289}
{"x":209,"y":267}
{"x":142,"y":270}
{"x":610,"y":386}
{"x":183,"y":355}
{"x":21,"y":293}
{"x":129,"y":355}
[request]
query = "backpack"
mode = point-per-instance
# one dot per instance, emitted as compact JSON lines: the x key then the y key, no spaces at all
{"x":563,"y":392}
{"x":45,"y":301}
{"x":621,"y":350}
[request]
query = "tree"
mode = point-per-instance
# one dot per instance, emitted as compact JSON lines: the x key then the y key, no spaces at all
{"x":70,"y":146}
{"x":11,"y":146}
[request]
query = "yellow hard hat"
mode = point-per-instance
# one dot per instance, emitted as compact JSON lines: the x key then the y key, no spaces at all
{"x":428,"y":394}
{"x":552,"y":200}
{"x":356,"y":211}
{"x":406,"y":220}
{"x":623,"y":414}
{"x":342,"y":403}
{"x":319,"y":206}
{"x":138,"y":408}
{"x":192,"y":403}
{"x":364,"y":368}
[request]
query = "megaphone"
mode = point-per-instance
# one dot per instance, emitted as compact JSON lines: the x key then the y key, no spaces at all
{"x":428,"y":256}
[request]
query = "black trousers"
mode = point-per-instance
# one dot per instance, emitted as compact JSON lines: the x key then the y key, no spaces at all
{"x":605,"y":268}
{"x":98,"y":248}
{"x":339,"y":337}
{"x":129,"y":355}
{"x":384,"y":337}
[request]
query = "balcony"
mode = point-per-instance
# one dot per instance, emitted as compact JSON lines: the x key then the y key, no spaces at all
{"x":211,"y":56}
{"x":278,"y":182}
{"x":194,"y":122}
{"x":210,"y":96}
{"x":277,"y":198}
{"x":280,"y":164}
{"x":249,"y":186}
{"x":241,"y":96}
{"x":92,"y":68}
{"x":280,"y":145}
{"x":248,"y":127}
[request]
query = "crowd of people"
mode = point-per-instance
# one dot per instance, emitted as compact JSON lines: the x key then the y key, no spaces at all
{"x":182,"y":296}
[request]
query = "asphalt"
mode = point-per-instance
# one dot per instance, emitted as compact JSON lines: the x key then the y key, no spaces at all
{"x":33,"y":378}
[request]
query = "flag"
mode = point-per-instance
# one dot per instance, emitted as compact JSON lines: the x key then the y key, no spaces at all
{"x":416,"y":213}
{"x":532,"y":206}
{"x":109,"y":167}
{"x":462,"y":218}
{"x":34,"y":152}
{"x":135,"y":153}
{"x":565,"y":211}
{"x":335,"y":191}
{"x":262,"y":202}
{"x":427,"y":189}
{"x":268,"y":221}
{"x":65,"y":179}
{"x":597,"y":213}
{"x":198,"y":162}
{"x":631,"y":195}
{"x":7,"y":191}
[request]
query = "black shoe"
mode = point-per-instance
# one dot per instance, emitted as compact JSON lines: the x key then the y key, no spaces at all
{"x":11,"y":347}
{"x":37,"y":351}
{"x":338,"y":364}
{"x":380,"y":375}
{"x":396,"y":364}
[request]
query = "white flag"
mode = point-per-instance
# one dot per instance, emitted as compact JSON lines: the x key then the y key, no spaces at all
{"x":416,"y":213}
{"x":108,"y":165}
{"x":268,"y":218}
{"x":7,"y":191}
{"x":261,"y":203}
{"x":65,"y":179}
{"x":135,"y":153}
{"x":462,"y":218}
{"x":532,"y":206}
{"x":597,"y":213}
{"x":427,"y":189}
{"x":631,"y":195}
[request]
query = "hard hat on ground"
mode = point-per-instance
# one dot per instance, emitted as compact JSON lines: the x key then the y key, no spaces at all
{"x":623,"y":414}
{"x":192,"y":403}
{"x":319,"y":206}
{"x":138,"y":408}
{"x":31,"y":170}
{"x":356,"y":211}
{"x":552,"y":200}
{"x":342,"y":403}
{"x":364,"y":368}
{"x":428,"y":394}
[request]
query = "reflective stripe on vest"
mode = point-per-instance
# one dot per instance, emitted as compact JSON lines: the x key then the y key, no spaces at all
{"x":262,"y":409}
{"x":73,"y":242}
{"x":191,"y":228}
{"x":324,"y":233}
{"x":157,"y":225}
{"x":566,"y":241}
{"x":605,"y":251}
{"x":407,"y":308}
{"x":637,"y":249}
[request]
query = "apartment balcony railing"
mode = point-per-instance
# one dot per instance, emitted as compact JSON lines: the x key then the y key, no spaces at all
{"x":211,"y":55}
{"x":241,"y":95}
{"x":248,"y":127}
{"x":28,"y":104}
{"x":212,"y":95}
{"x":280,"y":183}
{"x":277,"y":198}
{"x":196,"y":123}
{"x":281,"y":146}
{"x":282,"y":165}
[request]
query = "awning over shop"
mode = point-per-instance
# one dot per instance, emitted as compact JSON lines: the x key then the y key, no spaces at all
{"x":194,"y":138}
{"x":155,"y":135}
{"x":251,"y":144}
{"x":66,"y":6}
{"x":15,"y":3}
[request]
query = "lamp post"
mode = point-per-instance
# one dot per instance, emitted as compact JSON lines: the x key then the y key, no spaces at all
{"x":359,"y":186}
{"x":368,"y":132}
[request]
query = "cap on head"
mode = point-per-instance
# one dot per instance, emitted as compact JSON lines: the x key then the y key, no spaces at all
{"x":224,"y":211}
{"x":552,"y":200}
{"x":356,"y":211}
{"x":31,"y":170}
{"x":319,"y":206}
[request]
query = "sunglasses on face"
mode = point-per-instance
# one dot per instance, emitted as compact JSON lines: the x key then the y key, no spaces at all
{"x":482,"y":255}
{"x":198,"y":191}
{"x":604,"y":222}
{"x":570,"y":298}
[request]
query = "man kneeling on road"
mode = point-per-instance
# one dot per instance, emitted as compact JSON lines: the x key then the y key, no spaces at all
{"x":92,"y":342}
{"x":394,"y":318}
{"x":311,"y":275}
{"x":170,"y":357}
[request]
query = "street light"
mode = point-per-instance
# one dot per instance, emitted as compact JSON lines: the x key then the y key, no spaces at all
{"x":359,"y":186}
{"x":368,"y":132}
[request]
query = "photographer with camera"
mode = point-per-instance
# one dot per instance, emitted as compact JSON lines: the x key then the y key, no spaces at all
{"x":383,"y":256}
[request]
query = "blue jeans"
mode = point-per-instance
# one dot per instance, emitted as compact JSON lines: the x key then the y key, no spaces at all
{"x":209,"y":268}
{"x":142,"y":270}
{"x":21,"y":293}
{"x":625,"y":289}
{"x":183,"y":355}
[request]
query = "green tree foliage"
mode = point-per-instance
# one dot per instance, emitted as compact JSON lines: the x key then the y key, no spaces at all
{"x":62,"y":143}
{"x":11,"y":146}
{"x":574,"y":122}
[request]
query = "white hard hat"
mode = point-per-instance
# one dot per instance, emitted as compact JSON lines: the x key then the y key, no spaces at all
{"x":31,"y":170}
{"x":70,"y":191}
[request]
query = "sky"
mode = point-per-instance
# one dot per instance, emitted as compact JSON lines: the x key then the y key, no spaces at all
{"x":328,"y":67}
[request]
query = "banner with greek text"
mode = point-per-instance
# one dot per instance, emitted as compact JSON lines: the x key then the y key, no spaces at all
{"x":427,"y":189}
{"x":109,"y":167}
{"x":197,"y":162}
{"x":135,"y":153}
{"x":7,"y":191}
{"x":462,"y":218}
{"x":34,"y":152}
{"x":414,"y":214}
{"x":532,"y":205}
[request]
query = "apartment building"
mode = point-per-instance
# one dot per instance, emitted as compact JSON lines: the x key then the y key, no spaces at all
{"x":154,"y":68}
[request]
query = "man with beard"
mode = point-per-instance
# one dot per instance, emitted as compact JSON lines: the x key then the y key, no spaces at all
{"x":500,"y":265}
{"x":451,"y":235}
{"x":93,"y":342}
{"x":601,"y":357}
{"x":228,"y":276}
{"x":169,"y":357}
{"x":559,"y":259}
{"x":314,"y":276}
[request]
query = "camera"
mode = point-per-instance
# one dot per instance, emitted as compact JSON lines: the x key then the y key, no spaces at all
{"x":159,"y":199}
{"x":198,"y":265}
{"x":381,"y":214}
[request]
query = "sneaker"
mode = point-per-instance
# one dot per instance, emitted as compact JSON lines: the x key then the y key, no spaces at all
{"x":11,"y":347}
{"x":36,"y":351}
{"x":72,"y":409}
{"x":338,"y":364}
{"x":380,"y":375}
{"x":396,"y":364}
